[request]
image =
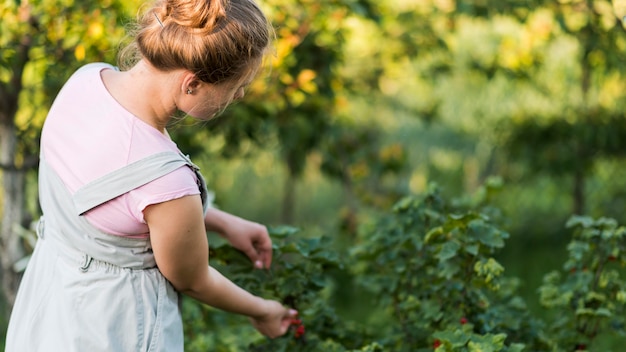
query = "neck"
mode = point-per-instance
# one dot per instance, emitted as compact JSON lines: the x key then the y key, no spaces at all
{"x":145,"y":92}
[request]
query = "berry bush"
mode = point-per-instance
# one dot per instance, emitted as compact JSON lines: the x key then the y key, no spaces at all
{"x":429,"y":266}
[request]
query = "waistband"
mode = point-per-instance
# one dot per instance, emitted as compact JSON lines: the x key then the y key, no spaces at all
{"x":84,"y":262}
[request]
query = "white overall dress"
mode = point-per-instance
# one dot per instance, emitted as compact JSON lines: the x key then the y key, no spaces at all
{"x":88,"y":291}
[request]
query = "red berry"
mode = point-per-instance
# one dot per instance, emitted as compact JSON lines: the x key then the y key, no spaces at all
{"x":581,"y":347}
{"x":436,"y":344}
{"x":299,"y":331}
{"x":296,"y":321}
{"x":463,"y":320}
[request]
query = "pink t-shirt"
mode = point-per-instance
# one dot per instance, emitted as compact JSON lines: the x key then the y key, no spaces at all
{"x":88,"y":134}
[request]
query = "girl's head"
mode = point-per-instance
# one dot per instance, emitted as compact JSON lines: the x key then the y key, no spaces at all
{"x":217,"y":40}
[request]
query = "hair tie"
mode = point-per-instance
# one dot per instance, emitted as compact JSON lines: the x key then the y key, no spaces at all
{"x":158,"y":20}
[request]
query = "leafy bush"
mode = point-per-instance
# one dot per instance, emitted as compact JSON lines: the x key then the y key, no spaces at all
{"x":589,"y":295}
{"x":300,"y":277}
{"x":431,"y":266}
{"x":434,"y":270}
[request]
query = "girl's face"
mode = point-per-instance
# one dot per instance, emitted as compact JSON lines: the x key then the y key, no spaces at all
{"x":210,"y":100}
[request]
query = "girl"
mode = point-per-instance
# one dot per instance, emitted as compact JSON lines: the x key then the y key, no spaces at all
{"x":125,"y":211}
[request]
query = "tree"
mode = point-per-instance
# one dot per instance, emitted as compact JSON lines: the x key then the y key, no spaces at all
{"x":561,"y":115}
{"x":593,"y":127}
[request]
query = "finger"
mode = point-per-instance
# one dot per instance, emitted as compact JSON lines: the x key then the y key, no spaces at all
{"x":252,"y":254}
{"x":265,"y":257}
{"x":264,"y":249}
{"x":287,"y":319}
{"x":257,"y":258}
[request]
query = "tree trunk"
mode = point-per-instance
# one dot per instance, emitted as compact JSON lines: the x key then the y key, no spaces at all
{"x":349,"y":220}
{"x":579,"y":191}
{"x":11,"y":245}
{"x":289,"y":199}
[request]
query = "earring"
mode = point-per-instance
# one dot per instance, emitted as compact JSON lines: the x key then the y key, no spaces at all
{"x":189,"y":91}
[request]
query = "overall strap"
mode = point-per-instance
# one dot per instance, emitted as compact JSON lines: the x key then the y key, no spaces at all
{"x":127,"y":178}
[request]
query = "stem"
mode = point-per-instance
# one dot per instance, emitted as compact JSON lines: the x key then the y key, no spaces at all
{"x":402,"y":320}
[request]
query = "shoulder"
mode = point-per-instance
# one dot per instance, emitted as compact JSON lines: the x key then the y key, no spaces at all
{"x":94,"y":66}
{"x":90,"y":70}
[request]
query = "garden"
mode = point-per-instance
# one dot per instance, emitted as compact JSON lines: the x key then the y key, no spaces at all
{"x":436,"y":175}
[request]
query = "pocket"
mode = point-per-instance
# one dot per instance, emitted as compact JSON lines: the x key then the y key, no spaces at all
{"x":106,"y":315}
{"x":167,"y":330}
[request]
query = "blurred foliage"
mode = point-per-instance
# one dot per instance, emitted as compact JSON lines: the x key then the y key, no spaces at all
{"x":41,"y":46}
{"x":565,"y":147}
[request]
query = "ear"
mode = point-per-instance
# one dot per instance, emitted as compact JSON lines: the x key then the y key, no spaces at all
{"x":189,"y":82}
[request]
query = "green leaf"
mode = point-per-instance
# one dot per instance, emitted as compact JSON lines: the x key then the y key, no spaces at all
{"x":318,"y":280}
{"x":607,"y":223}
{"x":403,"y":204}
{"x":456,"y":338}
{"x":432,"y":311}
{"x":480,"y":347}
{"x":486,"y":343}
{"x":577,"y":220}
{"x":457,"y":216}
{"x":433,"y":233}
{"x":603,"y":312}
{"x":516,"y":347}
{"x":472,"y":249}
{"x":307,"y":246}
{"x":595,"y":297}
{"x":584,"y":311}
{"x":489,"y":269}
{"x":289,"y":248}
{"x":448,"y":250}
{"x":282,"y":231}
{"x":448,"y":269}
{"x":577,"y":250}
{"x":486,"y":234}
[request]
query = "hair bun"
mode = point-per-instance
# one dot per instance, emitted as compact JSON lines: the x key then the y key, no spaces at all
{"x":202,"y":15}
{"x":217,"y":40}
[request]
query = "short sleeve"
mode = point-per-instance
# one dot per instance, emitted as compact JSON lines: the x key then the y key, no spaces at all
{"x":177,"y":184}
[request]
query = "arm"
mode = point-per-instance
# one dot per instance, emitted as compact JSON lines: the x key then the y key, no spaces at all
{"x":180,"y":246}
{"x":247,"y":236}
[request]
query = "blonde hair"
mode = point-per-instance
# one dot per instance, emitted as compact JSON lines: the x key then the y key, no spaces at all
{"x":217,"y":40}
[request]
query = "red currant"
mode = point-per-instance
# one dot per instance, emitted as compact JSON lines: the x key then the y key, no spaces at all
{"x":299,"y":331}
{"x":436,"y":344}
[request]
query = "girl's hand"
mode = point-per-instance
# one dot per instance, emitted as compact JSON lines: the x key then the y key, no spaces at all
{"x":276,"y":320}
{"x":249,"y":237}
{"x":252,"y":239}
